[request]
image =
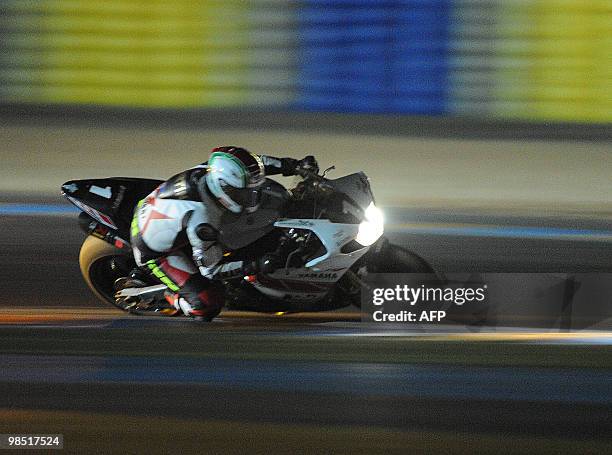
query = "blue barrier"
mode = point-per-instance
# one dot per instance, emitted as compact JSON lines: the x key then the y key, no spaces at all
{"x":374,"y":56}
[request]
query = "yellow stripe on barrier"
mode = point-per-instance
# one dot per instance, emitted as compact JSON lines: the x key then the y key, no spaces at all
{"x":554,"y":61}
{"x":173,"y":53}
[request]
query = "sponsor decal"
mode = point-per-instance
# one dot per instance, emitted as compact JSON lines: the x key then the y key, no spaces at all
{"x":119,"y":198}
{"x":340,"y":237}
{"x":102,"y":218}
{"x":106,"y":192}
{"x":318,"y":275}
{"x":72,"y":188}
{"x":290,"y":223}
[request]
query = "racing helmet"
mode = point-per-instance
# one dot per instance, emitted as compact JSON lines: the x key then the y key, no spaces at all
{"x":235,"y":177}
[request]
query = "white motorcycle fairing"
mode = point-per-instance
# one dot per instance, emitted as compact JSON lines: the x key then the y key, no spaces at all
{"x":313,"y":281}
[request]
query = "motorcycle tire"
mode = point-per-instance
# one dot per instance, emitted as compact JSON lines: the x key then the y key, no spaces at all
{"x":99,"y":262}
{"x":384,"y":257}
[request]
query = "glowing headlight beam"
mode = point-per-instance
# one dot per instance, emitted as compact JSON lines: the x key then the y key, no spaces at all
{"x":372,"y":227}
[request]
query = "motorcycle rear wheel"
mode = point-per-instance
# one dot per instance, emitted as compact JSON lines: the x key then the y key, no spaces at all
{"x":101,"y":265}
{"x":96,"y":262}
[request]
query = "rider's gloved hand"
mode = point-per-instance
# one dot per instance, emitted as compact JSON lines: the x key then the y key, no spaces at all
{"x":309,"y":164}
{"x":291,"y":166}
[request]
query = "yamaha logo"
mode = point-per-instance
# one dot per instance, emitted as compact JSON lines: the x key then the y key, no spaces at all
{"x":323,"y":275}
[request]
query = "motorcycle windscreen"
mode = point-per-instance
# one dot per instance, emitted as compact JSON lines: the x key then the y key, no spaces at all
{"x":356,"y":187}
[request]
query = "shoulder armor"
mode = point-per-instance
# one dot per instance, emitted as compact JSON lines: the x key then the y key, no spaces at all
{"x":182,"y":186}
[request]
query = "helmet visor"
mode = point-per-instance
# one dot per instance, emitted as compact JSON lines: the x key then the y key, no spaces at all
{"x":248,"y":198}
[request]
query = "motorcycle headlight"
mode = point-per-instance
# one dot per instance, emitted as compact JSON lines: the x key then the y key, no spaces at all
{"x":372,"y":227}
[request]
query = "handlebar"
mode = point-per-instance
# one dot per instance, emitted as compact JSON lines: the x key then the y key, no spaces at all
{"x":307,"y":173}
{"x":314,"y":180}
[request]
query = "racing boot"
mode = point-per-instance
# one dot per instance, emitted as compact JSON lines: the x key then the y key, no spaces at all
{"x":185,"y":307}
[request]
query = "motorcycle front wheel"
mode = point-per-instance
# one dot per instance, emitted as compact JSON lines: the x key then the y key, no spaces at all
{"x":384,"y":257}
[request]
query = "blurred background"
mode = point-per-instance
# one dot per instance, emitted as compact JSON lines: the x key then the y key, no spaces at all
{"x":541,"y":60}
{"x":485,"y":103}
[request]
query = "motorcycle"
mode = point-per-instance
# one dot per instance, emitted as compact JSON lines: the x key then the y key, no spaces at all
{"x":328,"y":232}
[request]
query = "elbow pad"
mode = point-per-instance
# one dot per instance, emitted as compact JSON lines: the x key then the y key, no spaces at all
{"x":206,"y":232}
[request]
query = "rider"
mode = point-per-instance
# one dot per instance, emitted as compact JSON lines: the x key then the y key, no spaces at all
{"x":212,"y":207}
